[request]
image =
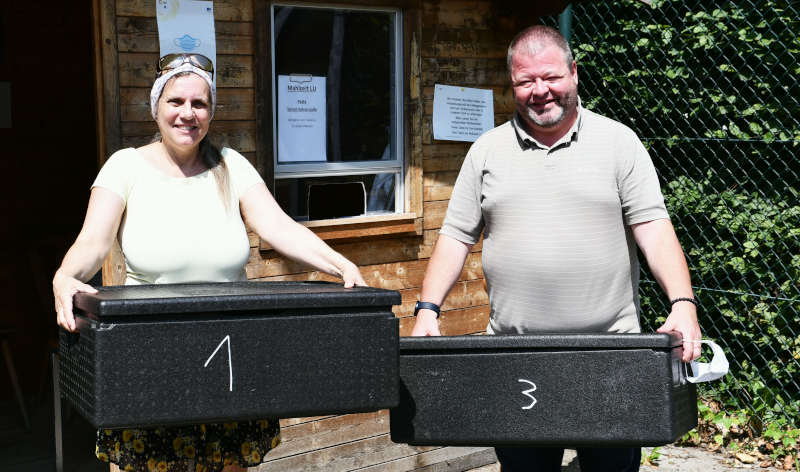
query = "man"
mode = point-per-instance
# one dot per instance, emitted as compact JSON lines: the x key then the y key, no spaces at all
{"x":563,"y":197}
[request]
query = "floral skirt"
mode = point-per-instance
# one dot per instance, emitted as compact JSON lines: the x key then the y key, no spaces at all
{"x":206,"y":447}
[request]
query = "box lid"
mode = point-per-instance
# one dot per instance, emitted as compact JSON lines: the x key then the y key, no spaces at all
{"x":550,"y":341}
{"x":228,"y":296}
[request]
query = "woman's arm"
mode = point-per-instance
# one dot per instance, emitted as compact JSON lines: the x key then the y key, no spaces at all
{"x":87,"y":253}
{"x":263,"y":214}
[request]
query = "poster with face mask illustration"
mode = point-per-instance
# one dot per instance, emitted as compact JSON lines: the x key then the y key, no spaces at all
{"x":186,"y":26}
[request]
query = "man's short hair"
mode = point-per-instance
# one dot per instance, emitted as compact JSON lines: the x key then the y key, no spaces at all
{"x":533,"y":38}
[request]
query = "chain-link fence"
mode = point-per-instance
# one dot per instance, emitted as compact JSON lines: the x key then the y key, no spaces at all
{"x":713,"y":90}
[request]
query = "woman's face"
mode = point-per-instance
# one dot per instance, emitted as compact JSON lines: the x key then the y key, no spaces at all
{"x":184,"y":111}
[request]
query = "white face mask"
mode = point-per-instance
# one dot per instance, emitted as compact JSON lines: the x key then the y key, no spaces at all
{"x":708,"y":371}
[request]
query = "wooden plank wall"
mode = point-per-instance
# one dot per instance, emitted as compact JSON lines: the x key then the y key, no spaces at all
{"x":137,"y":44}
{"x":457,"y":42}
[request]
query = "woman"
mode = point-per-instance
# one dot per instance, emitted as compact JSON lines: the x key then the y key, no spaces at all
{"x":179,"y":206}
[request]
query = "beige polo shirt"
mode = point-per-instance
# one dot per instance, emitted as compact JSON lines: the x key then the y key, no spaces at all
{"x":558,"y":253}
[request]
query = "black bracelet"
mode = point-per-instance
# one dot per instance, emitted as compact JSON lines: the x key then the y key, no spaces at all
{"x":691,"y":300}
{"x":426,"y":306}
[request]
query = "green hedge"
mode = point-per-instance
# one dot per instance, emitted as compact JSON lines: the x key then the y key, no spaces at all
{"x":746,"y":248}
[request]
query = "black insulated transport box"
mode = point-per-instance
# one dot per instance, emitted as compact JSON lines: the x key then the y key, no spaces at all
{"x":192,"y":353}
{"x":543,"y":390}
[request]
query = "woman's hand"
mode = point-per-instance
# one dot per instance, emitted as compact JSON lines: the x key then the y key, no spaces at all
{"x":86,"y":254}
{"x":352,"y":276}
{"x":64,"y":288}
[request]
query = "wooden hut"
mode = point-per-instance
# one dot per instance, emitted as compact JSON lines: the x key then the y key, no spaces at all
{"x":452,"y":42}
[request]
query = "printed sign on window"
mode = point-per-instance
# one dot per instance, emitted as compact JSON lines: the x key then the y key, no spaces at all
{"x":301,"y":118}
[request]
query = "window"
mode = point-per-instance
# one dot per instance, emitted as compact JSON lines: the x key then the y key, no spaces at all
{"x":337,"y":111}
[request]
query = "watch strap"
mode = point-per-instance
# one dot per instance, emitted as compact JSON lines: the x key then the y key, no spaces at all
{"x":427,"y":306}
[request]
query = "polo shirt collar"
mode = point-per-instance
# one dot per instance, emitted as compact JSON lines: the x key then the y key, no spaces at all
{"x":527,"y":141}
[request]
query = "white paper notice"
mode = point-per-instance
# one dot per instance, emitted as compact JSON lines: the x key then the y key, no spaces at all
{"x":186,"y":26}
{"x":460,"y":113}
{"x":301,"y":118}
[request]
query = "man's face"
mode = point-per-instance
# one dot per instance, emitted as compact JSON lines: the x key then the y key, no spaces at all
{"x":545,"y":90}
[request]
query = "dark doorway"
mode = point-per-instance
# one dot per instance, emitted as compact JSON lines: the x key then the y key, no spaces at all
{"x":48,"y":160}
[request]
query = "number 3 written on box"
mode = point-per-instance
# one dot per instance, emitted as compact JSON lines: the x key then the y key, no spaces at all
{"x":527,"y":393}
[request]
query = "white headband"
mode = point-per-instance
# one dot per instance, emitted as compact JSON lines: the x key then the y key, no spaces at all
{"x":158,"y":85}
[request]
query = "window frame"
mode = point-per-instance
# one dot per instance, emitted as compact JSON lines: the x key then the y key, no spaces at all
{"x":391,"y":225}
{"x":395,"y":166}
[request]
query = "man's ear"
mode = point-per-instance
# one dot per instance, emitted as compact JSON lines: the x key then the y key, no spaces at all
{"x":574,"y":71}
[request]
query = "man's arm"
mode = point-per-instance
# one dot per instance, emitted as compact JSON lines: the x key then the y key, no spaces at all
{"x":664,"y":255}
{"x":443,"y":270}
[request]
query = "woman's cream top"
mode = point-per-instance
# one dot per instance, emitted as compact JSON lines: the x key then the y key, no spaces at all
{"x":177,"y":229}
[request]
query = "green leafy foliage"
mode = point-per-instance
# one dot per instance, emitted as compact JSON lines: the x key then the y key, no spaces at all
{"x":651,"y":456}
{"x":740,"y":432}
{"x":745,"y":247}
{"x":722,"y":70}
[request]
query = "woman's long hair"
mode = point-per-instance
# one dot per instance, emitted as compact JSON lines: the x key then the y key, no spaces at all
{"x":211,"y":155}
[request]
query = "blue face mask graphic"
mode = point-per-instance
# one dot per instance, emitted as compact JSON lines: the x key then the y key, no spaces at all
{"x":186,"y":42}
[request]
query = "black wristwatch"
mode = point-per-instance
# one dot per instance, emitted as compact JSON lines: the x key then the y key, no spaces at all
{"x":426,"y":306}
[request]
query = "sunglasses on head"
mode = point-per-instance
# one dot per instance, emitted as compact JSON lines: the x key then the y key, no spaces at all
{"x":173,"y":61}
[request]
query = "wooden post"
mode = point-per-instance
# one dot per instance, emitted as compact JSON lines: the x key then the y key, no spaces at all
{"x":263,"y":92}
{"x":107,"y":121}
{"x":334,"y":88}
{"x":414,"y":110}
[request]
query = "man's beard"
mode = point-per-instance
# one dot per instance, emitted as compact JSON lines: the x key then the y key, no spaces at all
{"x":568,"y":101}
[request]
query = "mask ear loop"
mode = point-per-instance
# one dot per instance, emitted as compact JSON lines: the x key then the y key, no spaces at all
{"x":718,"y":353}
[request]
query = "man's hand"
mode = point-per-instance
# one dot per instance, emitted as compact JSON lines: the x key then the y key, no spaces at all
{"x":427,"y":324}
{"x":683,"y":319}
